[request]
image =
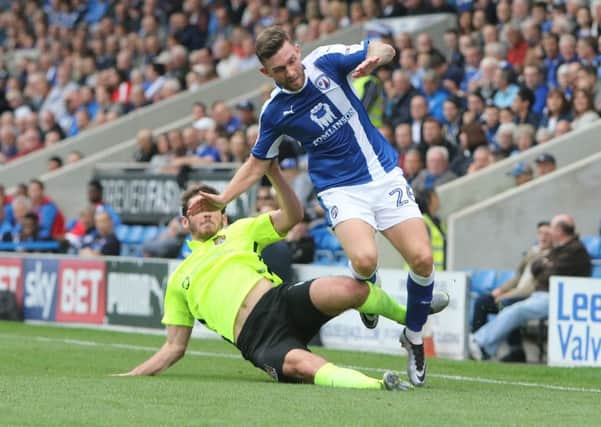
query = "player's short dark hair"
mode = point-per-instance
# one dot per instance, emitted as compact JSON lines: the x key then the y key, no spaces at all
{"x":193,"y":191}
{"x":269,"y":41}
{"x":543,"y":224}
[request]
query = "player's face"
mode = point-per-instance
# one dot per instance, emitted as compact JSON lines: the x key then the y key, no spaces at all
{"x":285,"y":68}
{"x":205,"y":223}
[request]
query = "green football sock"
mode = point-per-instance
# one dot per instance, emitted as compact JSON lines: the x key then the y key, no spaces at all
{"x":331,"y":375}
{"x":379,"y":302}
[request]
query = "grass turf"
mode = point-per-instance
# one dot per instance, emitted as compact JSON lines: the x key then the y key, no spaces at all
{"x":53,"y":376}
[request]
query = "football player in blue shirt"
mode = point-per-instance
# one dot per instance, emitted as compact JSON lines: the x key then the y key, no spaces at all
{"x":351,"y":165}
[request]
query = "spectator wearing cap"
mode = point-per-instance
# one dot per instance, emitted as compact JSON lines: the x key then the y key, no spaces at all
{"x":522,"y":173}
{"x":545,"y":163}
{"x":246,"y":114}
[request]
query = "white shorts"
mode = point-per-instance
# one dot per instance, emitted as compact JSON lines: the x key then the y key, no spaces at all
{"x":382,"y":203}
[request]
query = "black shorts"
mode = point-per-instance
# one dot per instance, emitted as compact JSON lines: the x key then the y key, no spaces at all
{"x":284,"y":319}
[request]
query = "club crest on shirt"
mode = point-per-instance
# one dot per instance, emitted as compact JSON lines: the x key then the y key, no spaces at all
{"x":186,"y":283}
{"x":219,"y":240}
{"x":322,"y":82}
{"x":334,"y":212}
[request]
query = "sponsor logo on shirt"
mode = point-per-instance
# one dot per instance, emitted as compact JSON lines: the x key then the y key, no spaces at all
{"x":323,"y":115}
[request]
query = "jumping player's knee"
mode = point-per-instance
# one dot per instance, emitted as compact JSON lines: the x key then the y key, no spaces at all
{"x":364,"y":262}
{"x":422,"y":263}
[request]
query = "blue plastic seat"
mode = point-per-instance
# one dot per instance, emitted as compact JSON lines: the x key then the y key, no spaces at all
{"x":502,"y":276}
{"x":135,"y":234}
{"x":593,"y":246}
{"x":121,"y":232}
{"x":483,"y":281}
{"x":150,"y":232}
{"x":596,"y":271}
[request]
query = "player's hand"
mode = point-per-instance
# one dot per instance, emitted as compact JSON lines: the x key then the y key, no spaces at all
{"x":366,"y":67}
{"x":204,"y":202}
{"x":122,"y":374}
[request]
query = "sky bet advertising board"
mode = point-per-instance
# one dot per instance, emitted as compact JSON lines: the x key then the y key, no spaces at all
{"x":11,"y":270}
{"x":574,"y":322}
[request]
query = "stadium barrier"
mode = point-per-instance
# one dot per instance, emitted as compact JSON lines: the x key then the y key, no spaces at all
{"x":127,"y":294}
{"x":499,"y":228}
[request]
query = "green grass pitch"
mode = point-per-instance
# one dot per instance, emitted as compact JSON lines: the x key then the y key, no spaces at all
{"x":53,"y":376}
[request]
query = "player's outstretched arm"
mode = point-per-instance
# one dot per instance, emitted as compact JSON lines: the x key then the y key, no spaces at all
{"x":173,"y":350}
{"x":291,"y":210}
{"x":251,"y":171}
{"x":378,"y":53}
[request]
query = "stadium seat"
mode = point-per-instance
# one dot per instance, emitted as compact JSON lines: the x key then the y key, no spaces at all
{"x":482,"y":281}
{"x":593,"y":246}
{"x":501,"y":277}
{"x":150,"y":232}
{"x":135,"y":234}
{"x":596,"y":271}
{"x":121,"y":232}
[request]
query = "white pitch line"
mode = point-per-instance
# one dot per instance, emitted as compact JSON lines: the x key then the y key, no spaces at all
{"x":367,"y":368}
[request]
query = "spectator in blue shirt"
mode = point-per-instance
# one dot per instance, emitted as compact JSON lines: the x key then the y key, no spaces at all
{"x":506,"y":90}
{"x":435,"y":94}
{"x":533,"y":80}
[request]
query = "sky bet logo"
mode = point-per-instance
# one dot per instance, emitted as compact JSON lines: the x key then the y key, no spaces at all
{"x":579,"y":323}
